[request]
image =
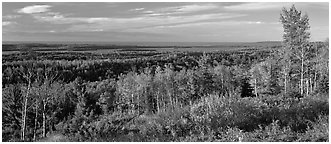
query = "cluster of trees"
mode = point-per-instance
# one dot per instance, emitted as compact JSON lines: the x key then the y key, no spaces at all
{"x":220,"y":96}
{"x":299,"y":58}
{"x":101,"y":68}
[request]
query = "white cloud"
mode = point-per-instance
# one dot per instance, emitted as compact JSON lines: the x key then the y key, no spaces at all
{"x":148,"y":11}
{"x":196,"y":8}
{"x":118,"y":24}
{"x":155,"y":14}
{"x":97,"y":30}
{"x":255,"y":22}
{"x":181,"y":9}
{"x":6,"y":23}
{"x":11,"y":16}
{"x":153,"y":18}
{"x":125,"y":24}
{"x":256,"y":6}
{"x":137,"y":9}
{"x":201,"y":24}
{"x":203,"y":29}
{"x":61,"y":19}
{"x":34,"y":9}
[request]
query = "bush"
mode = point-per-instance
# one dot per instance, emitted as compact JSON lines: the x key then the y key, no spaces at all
{"x":271,"y":133}
{"x":318,"y":132}
{"x":232,"y":112}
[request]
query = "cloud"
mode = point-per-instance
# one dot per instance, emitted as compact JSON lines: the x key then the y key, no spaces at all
{"x":11,"y":16}
{"x":181,"y":9}
{"x":150,"y":18}
{"x":148,"y":12}
{"x":201,"y":24}
{"x":56,"y":18}
{"x":137,"y":9}
{"x":124,"y":24}
{"x":256,"y":6}
{"x":196,"y":8}
{"x":6,"y":23}
{"x":118,"y":24}
{"x":206,"y":30}
{"x":35,"y":9}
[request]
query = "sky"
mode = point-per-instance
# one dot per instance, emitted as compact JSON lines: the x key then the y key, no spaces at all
{"x":155,"y":22}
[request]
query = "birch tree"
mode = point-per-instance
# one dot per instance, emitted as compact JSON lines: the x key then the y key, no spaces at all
{"x":295,"y":46}
{"x":28,"y":77}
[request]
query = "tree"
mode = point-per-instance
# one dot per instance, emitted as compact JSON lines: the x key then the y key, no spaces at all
{"x":12,"y":111}
{"x":130,"y":90}
{"x":106,"y":94}
{"x":28,"y":77}
{"x":263,"y":77}
{"x":322,"y":68}
{"x":295,"y":46}
{"x":46,"y":95}
{"x":222,"y":79}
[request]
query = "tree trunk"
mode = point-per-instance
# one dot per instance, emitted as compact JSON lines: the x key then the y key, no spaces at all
{"x":132,"y":102}
{"x":162,"y":102}
{"x":307,"y":85}
{"x":35,"y":122}
{"x":285,"y":82}
{"x":315,"y":81}
{"x":44,"y":119}
{"x":302,"y":73}
{"x":171,"y":97}
{"x":255,"y":87}
{"x":22,"y":121}
{"x":171,"y":104}
{"x":138,"y":103}
{"x":24,"y":118}
{"x":164,"y":106}
{"x":311,"y":85}
{"x":25,"y":109}
{"x":157,"y":101}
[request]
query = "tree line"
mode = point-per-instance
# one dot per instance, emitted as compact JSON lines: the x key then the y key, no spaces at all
{"x":219,"y":96}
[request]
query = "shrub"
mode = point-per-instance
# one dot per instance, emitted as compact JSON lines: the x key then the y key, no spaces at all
{"x":230,"y":135}
{"x":244,"y":114}
{"x":318,"y":132}
{"x":271,"y":133}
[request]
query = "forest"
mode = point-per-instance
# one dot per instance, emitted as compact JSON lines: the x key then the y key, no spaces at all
{"x":260,"y":93}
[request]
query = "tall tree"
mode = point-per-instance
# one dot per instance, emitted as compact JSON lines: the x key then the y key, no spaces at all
{"x":296,"y":44}
{"x":28,"y":77}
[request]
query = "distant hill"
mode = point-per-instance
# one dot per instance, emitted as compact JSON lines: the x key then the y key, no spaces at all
{"x":143,"y":43}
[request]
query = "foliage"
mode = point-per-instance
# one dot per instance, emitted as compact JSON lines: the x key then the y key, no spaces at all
{"x":235,"y":95}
